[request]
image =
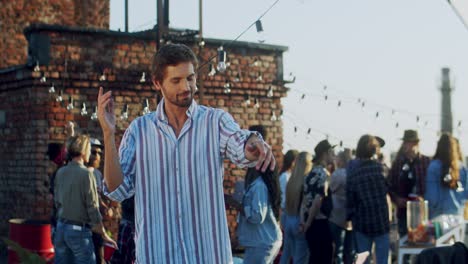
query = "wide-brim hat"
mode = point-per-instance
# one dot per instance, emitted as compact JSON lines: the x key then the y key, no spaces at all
{"x":322,"y":147}
{"x":410,"y":136}
{"x":96,"y":143}
{"x":380,"y":140}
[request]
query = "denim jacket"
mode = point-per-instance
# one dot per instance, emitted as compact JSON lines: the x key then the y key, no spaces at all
{"x":257,"y":226}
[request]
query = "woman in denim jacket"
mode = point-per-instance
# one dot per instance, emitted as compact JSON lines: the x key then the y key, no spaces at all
{"x":258,"y":228}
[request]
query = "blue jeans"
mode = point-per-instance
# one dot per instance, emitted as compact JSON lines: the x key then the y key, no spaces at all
{"x":382,"y":246}
{"x":73,"y":244}
{"x":343,"y":244}
{"x":295,"y":245}
{"x":261,"y":255}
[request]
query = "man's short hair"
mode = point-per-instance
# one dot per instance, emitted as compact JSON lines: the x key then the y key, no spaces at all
{"x":78,"y":145}
{"x":260,"y":129}
{"x":367,"y":147}
{"x":171,"y":55}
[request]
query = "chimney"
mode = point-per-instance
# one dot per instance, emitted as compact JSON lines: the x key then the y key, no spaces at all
{"x":446,"y":89}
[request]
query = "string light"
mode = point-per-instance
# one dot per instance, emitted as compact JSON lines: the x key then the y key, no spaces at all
{"x":212,"y":70}
{"x":270,"y":92}
{"x":94,"y":116}
{"x":417,"y":119}
{"x":273,"y":116}
{"x":59,"y":97}
{"x":247,"y":100}
{"x":83,"y":110}
{"x":143,"y":77}
{"x":303,"y":96}
{"x":326,"y":97}
{"x":341,"y":143}
{"x":227,"y":87}
{"x":295,"y":130}
{"x":397,"y":125}
{"x":52,"y":89}
{"x":339,"y":103}
{"x":221,"y":67}
{"x":37,"y":68}
{"x":201,"y":43}
{"x":256,"y":62}
{"x":102,"y":77}
{"x":363,"y":104}
{"x":261,"y":34}
{"x":70,"y":103}
{"x":238,"y":77}
{"x":43,"y":78}
{"x":377,"y":115}
{"x":308,"y":133}
{"x":124,"y":115}
{"x":259,"y":77}
{"x":146,"y":109}
{"x":257,"y":104}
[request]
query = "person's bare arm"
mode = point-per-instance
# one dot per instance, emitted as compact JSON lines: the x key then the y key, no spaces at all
{"x":113,"y":175}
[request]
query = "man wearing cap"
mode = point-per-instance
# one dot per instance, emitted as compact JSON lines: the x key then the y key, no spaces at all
{"x":407,"y":176}
{"x":93,"y":164}
{"x":313,"y":222}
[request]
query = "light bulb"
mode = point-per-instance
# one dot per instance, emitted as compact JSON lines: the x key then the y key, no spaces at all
{"x":270,"y":92}
{"x":261,"y":33}
{"x":94,"y":116}
{"x":102,"y":77}
{"x":124,"y":115}
{"x":52,"y":89}
{"x":273,"y":116}
{"x":43,"y":79}
{"x":59,"y":97}
{"x":143,"y":77}
{"x":257,"y":104}
{"x":259,"y":78}
{"x":221,"y":67}
{"x":212,"y":71}
{"x":146,"y":109}
{"x":237,"y":78}
{"x":37,"y":68}
{"x":247,"y":100}
{"x":83,"y":110}
{"x":70,"y":104}
{"x":227,"y":87}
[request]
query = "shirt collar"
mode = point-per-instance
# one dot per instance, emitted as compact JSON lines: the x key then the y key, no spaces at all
{"x":160,"y":115}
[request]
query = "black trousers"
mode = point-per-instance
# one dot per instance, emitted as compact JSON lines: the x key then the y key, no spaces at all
{"x":320,"y":241}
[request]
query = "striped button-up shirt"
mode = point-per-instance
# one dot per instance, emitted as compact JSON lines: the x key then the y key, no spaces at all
{"x":178,"y":184}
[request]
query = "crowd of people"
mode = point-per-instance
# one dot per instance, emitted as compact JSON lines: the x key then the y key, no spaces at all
{"x":364,"y":192}
{"x":328,"y":206}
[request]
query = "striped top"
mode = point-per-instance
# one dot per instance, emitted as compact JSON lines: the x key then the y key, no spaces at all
{"x":178,"y":184}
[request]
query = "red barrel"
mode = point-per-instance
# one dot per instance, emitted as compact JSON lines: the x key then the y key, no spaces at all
{"x":33,"y":235}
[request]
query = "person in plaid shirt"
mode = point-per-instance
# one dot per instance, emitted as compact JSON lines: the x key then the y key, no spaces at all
{"x":407,"y":177}
{"x":366,"y":195}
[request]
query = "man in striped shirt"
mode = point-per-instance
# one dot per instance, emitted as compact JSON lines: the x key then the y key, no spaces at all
{"x":172,"y":161}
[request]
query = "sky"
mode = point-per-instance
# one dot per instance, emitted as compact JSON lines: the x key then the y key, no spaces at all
{"x":387,"y":54}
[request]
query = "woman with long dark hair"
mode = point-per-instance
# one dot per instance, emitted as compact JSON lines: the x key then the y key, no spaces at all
{"x":295,"y":244}
{"x":446,"y":181}
{"x":258,"y":228}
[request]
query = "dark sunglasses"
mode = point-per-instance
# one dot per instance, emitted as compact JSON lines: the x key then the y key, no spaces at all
{"x":95,"y":152}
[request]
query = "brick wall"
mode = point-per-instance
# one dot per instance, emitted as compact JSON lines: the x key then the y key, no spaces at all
{"x":77,"y":60}
{"x":15,"y":15}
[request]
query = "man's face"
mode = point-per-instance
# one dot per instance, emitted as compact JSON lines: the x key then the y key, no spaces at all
{"x":95,"y":157}
{"x":411,"y":149}
{"x":178,"y":85}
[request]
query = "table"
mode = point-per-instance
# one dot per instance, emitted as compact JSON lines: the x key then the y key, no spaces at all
{"x":457,"y":232}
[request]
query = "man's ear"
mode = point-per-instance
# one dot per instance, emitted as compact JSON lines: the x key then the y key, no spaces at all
{"x":156,"y":84}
